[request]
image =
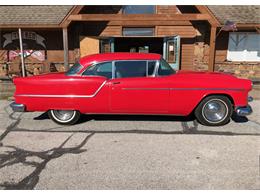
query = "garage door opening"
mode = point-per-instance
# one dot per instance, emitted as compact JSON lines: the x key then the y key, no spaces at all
{"x":139,"y":45}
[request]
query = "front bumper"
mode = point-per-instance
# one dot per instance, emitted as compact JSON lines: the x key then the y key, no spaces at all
{"x":17,"y":107}
{"x":244,"y":111}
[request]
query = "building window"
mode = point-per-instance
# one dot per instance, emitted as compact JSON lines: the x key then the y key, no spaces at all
{"x":139,"y":9}
{"x":138,"y":31}
{"x":243,"y":46}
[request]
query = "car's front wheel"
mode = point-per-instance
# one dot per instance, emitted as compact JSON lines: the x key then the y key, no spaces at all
{"x":64,"y":117}
{"x":214,"y":110}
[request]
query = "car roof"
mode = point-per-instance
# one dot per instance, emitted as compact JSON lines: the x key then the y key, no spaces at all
{"x":118,"y":56}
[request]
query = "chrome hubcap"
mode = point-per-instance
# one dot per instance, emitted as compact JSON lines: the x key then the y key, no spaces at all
{"x":64,"y":115}
{"x":215,"y":110}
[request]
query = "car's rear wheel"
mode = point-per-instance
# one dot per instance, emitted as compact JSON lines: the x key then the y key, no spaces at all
{"x":64,"y":117}
{"x":214,"y":110}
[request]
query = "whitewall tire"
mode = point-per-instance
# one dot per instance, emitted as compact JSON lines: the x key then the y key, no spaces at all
{"x":214,"y":110}
{"x":64,"y":117}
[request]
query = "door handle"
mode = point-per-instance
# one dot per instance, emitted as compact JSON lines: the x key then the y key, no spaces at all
{"x":116,"y":83}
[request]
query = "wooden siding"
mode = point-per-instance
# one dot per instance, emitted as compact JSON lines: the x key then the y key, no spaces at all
{"x":183,"y":31}
{"x":100,"y":29}
{"x":57,"y":56}
{"x":88,"y":46}
{"x":111,"y":31}
{"x":167,"y":9}
{"x":187,"y":55}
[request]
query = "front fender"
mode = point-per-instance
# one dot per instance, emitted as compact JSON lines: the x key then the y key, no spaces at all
{"x":183,"y":102}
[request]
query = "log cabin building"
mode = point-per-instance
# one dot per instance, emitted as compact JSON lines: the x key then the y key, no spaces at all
{"x":188,"y":37}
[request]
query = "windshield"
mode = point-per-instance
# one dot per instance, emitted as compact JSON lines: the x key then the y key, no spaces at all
{"x":165,"y":68}
{"x":74,"y":69}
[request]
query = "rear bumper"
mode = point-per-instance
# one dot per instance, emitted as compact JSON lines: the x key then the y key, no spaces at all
{"x":244,"y":111}
{"x":17,"y":107}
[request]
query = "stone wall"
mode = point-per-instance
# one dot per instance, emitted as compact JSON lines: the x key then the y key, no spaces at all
{"x":201,"y":47}
{"x":7,"y":89}
{"x":200,"y":60}
{"x":250,"y":70}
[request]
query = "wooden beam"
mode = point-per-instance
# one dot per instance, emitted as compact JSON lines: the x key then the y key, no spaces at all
{"x":202,"y":9}
{"x":33,"y":26}
{"x":138,"y":17}
{"x":75,"y":10}
{"x":205,"y":10}
{"x":148,"y":23}
{"x":212,"y":48}
{"x":65,"y":48}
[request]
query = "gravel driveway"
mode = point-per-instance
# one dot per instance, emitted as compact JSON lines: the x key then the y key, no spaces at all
{"x":128,"y":152}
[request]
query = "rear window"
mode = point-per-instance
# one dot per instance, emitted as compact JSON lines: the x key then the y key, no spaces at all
{"x":74,"y":69}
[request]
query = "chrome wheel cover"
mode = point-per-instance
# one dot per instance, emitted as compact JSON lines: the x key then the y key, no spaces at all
{"x":63,"y":115}
{"x":215,"y":111}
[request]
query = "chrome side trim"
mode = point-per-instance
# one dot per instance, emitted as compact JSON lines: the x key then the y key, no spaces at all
{"x":146,"y":88}
{"x":224,"y":89}
{"x":183,"y":89}
{"x":64,"y":96}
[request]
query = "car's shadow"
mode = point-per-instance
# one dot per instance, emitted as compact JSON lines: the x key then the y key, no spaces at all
{"x":85,"y":118}
{"x":188,"y":125}
{"x":239,"y":119}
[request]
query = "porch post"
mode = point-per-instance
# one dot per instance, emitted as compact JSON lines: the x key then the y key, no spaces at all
{"x":21,"y":49}
{"x":212,"y":48}
{"x":65,"y":48}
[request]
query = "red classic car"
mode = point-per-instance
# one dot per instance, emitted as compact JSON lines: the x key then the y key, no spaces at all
{"x":133,"y":83}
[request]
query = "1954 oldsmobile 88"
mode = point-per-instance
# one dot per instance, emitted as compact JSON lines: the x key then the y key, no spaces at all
{"x":132,"y":83}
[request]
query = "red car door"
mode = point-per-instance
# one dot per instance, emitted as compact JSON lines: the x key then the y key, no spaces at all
{"x":135,"y":90}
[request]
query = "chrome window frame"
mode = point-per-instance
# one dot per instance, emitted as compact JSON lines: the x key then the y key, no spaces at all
{"x":157,"y":63}
{"x":146,"y":60}
{"x":156,"y":68}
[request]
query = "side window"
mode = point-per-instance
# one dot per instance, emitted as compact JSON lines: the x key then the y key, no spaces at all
{"x":74,"y":69}
{"x":101,"y":69}
{"x":165,"y":69}
{"x":125,"y":69}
